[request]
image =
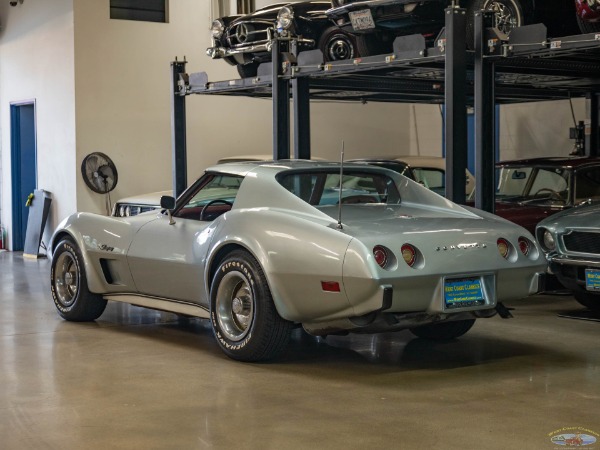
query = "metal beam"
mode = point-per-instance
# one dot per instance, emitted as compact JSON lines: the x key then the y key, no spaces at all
{"x":281,"y":107}
{"x":301,"y":96}
{"x":178,"y":130}
{"x":485,"y":128}
{"x":456,"y":104}
{"x":592,"y":136}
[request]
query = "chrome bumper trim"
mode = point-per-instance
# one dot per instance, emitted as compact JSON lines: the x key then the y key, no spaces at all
{"x":565,"y":260}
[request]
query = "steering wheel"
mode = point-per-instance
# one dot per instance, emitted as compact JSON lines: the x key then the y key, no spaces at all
{"x":356,"y":199}
{"x":212,"y":202}
{"x":553,"y":193}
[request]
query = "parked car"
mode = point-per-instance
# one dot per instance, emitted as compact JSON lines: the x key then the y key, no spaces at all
{"x":245,"y":40}
{"x":529,"y":190}
{"x":571,"y":243}
{"x":261,"y":247}
{"x":430,"y":171}
{"x":588,"y":15}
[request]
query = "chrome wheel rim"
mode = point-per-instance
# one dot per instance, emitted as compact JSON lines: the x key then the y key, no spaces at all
{"x":235,"y":306}
{"x":506,"y":15}
{"x":340,"y":48}
{"x":66,"y":279}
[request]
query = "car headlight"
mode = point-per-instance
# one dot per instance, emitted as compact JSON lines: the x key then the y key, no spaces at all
{"x":217,"y":29}
{"x":548,"y":240}
{"x":127,"y":211}
{"x":285,"y":18}
{"x":121,"y":211}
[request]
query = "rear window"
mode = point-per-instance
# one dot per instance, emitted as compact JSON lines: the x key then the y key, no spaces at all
{"x":323,"y":188}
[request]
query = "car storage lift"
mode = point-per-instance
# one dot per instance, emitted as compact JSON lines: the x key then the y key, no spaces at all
{"x":523,"y":68}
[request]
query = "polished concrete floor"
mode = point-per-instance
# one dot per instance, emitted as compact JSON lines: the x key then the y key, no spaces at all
{"x":140,"y":379}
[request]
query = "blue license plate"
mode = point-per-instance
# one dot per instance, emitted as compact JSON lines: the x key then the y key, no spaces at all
{"x":592,"y":280}
{"x":463,"y":292}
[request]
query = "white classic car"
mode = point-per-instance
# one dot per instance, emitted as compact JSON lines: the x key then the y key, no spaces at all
{"x":259,"y":248}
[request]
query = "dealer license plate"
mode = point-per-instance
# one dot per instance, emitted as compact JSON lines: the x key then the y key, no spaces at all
{"x":592,"y":280}
{"x":362,"y":20}
{"x":463,"y":292}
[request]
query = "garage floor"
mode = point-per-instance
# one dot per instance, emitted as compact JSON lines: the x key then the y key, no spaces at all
{"x":140,"y":379}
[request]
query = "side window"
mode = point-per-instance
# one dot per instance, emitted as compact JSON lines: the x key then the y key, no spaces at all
{"x":214,"y":197}
{"x":553,"y":179}
{"x":587,"y":184}
{"x":433,"y":179}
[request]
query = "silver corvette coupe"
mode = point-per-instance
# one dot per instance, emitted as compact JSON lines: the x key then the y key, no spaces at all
{"x":261,"y":247}
{"x":571,"y":241}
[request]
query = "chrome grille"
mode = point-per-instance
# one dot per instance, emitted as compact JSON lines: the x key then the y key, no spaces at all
{"x":582,"y":242}
{"x":247,"y":33}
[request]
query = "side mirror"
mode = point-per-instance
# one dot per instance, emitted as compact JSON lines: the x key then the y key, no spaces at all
{"x":168,"y":203}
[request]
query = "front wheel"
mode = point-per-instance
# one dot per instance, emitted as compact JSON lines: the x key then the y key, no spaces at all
{"x":444,"y":330}
{"x":68,"y":283}
{"x":243,"y":316}
{"x":248,"y":70}
{"x":589,"y":300}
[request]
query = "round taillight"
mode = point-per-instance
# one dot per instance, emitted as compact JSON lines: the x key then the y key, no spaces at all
{"x":409,"y":254}
{"x":524,"y":246}
{"x":381,"y":255}
{"x":503,"y":247}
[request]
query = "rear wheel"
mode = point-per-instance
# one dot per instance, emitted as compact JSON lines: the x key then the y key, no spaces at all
{"x":588,"y":27}
{"x":70,"y":292}
{"x":589,"y":300}
{"x":444,"y":330}
{"x":509,"y":14}
{"x":337,"y":45}
{"x":243,"y":315}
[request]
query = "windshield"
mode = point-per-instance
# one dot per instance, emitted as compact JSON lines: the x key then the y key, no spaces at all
{"x":547,"y":185}
{"x":220,"y":187}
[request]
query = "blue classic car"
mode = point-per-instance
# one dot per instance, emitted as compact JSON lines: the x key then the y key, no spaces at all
{"x":571,"y":242}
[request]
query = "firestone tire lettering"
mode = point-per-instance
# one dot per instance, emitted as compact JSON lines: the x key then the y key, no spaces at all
{"x":267,"y":334}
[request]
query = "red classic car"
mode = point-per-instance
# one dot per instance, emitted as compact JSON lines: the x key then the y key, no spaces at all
{"x":530,"y":190}
{"x":588,"y":15}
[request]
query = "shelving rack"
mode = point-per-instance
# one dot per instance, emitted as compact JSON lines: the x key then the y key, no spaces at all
{"x":526,"y":67}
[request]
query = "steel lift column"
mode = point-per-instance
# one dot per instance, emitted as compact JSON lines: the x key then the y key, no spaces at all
{"x":485,"y":128}
{"x":178,"y":130}
{"x":456,"y":104}
{"x":301,"y":101}
{"x":281,"y":106}
{"x":592,"y":140}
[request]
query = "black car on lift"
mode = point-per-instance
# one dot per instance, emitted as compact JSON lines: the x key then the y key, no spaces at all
{"x":347,"y":29}
{"x":386,"y":19}
{"x":245,"y":40}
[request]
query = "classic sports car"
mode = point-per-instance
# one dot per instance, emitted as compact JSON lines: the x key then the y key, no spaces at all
{"x":261,"y":247}
{"x":245,"y":40}
{"x":571,"y":242}
{"x":530,"y":190}
{"x":588,"y":15}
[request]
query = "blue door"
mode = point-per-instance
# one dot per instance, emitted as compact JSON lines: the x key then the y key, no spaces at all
{"x":24,"y":170}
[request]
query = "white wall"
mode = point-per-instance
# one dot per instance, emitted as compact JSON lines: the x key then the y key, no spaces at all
{"x":123,"y":103}
{"x":538,"y":129}
{"x":36,"y":54}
